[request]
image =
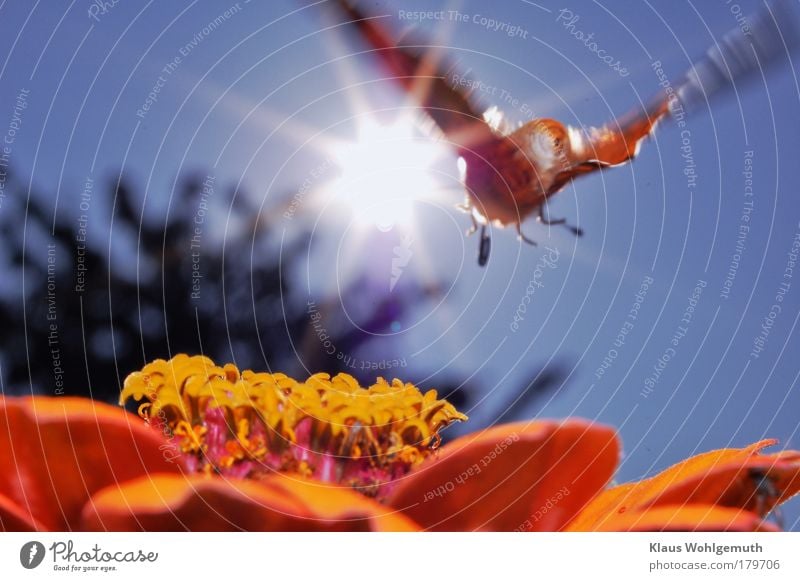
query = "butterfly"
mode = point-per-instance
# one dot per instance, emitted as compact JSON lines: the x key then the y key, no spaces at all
{"x":508,"y":175}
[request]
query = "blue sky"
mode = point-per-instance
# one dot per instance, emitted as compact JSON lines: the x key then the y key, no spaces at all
{"x":223,"y":109}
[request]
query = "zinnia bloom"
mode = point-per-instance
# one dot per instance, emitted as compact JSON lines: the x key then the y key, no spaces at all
{"x":224,"y":450}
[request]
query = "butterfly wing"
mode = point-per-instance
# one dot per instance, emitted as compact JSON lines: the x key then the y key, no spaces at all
{"x":422,"y":74}
{"x":612,"y":144}
{"x":771,"y":34}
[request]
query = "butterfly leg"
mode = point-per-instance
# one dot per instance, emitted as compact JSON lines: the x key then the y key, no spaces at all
{"x":522,"y":236}
{"x":474,"y":227}
{"x":467,"y":208}
{"x":559,"y":222}
{"x":484,"y":248}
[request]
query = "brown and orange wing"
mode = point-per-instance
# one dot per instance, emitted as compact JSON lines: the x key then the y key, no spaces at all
{"x":739,"y":55}
{"x":612,"y":144}
{"x":423,"y":74}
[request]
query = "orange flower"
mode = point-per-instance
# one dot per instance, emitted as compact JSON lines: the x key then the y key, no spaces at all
{"x":249,"y":451}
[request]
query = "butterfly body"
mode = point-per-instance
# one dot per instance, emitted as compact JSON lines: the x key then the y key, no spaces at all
{"x":511,"y":178}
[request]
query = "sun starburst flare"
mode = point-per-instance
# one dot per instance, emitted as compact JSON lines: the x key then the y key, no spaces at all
{"x":386,"y":172}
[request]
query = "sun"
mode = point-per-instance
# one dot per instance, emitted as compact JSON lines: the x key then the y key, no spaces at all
{"x":386,"y":173}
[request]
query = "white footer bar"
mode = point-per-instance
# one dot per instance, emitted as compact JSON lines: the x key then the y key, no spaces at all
{"x":401,"y":556}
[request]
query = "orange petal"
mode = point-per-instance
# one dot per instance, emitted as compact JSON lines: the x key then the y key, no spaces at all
{"x":729,"y":477}
{"x":334,"y":503}
{"x":58,"y":451}
{"x":757,"y":484}
{"x":200,"y":503}
{"x":692,"y":518}
{"x":525,"y":476}
{"x":14,"y":518}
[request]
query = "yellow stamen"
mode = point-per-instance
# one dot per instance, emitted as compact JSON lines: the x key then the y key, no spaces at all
{"x":225,"y":417}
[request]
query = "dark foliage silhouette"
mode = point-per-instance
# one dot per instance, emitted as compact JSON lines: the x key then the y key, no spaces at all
{"x":82,"y":332}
